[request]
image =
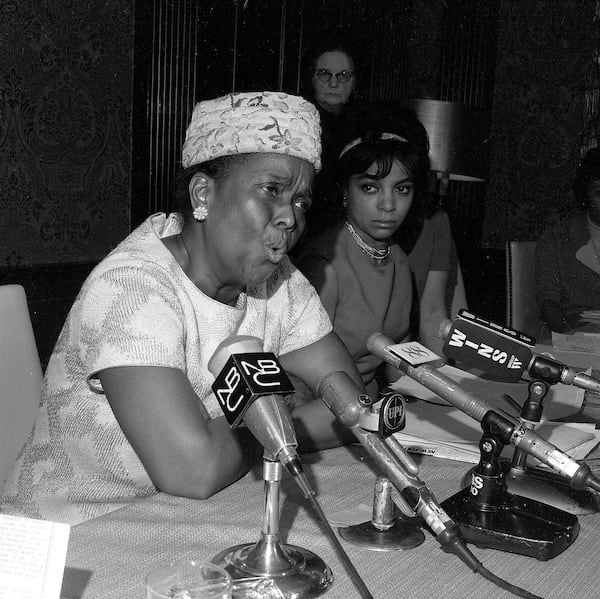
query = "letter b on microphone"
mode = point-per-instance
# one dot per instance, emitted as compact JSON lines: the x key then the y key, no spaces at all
{"x":243,"y":378}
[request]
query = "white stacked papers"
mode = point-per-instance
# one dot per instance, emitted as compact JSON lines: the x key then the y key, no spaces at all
{"x":591,"y":316}
{"x":32,"y":557}
{"x":586,"y":342}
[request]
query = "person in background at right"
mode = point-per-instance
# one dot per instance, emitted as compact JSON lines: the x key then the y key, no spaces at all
{"x":567,"y":268}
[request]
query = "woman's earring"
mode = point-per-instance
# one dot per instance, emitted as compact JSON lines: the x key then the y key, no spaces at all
{"x":344,"y":201}
{"x":200,"y":213}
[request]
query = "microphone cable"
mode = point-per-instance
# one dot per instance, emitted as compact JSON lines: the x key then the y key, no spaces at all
{"x":503,"y":584}
{"x":339,"y":549}
{"x":337,"y":390}
{"x":452,"y":542}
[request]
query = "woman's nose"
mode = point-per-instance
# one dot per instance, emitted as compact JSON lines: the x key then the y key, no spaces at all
{"x":386,"y":202}
{"x":285,"y":216}
{"x":333,"y":81}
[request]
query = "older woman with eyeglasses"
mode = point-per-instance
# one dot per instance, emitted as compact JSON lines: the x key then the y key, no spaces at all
{"x":332,"y":74}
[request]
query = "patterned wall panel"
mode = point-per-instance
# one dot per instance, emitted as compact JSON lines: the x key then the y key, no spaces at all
{"x":65,"y":133}
{"x":545,"y":51}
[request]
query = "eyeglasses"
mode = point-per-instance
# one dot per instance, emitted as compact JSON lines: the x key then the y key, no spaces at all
{"x":324,"y":75}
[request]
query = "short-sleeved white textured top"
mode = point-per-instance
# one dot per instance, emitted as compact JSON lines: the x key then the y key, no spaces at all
{"x":137,"y":307}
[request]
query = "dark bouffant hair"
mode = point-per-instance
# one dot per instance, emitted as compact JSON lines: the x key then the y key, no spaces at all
{"x":368,"y":123}
{"x":587,"y":172}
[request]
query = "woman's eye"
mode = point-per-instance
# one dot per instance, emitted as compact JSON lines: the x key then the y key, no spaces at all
{"x":405,"y":189}
{"x":368,"y":188}
{"x":303,"y":204}
{"x":271,"y":189}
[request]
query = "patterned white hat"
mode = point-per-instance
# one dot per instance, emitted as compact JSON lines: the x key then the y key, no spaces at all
{"x":250,"y":122}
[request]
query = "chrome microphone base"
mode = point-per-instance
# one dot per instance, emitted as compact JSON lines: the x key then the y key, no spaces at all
{"x":401,"y":536}
{"x":299,"y":573}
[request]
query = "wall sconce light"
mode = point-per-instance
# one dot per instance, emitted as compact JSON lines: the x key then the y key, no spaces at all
{"x":458,"y":139}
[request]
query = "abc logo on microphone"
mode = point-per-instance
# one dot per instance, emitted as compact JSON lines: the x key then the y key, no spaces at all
{"x":243,"y":378}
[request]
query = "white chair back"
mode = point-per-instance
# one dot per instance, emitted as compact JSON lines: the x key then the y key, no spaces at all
{"x":20,"y":376}
{"x":521,"y":307}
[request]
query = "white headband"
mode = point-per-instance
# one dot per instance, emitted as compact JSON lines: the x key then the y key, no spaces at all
{"x":359,"y":140}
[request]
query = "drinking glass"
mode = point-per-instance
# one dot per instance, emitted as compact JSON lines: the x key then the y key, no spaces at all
{"x":188,"y":580}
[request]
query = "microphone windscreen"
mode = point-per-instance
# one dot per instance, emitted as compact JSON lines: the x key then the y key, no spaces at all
{"x":377,"y":344}
{"x":238,"y":344}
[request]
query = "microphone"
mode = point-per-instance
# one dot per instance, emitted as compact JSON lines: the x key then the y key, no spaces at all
{"x":349,"y":405}
{"x":246,"y":387}
{"x":516,"y":433}
{"x":503,"y":353}
{"x":247,"y":384}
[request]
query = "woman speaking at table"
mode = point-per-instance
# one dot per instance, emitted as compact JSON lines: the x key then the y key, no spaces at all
{"x":127,"y":407}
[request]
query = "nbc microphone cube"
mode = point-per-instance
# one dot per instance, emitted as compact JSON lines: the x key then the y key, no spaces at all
{"x":245,"y":377}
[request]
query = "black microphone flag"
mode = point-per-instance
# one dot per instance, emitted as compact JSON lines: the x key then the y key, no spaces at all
{"x":500,"y":352}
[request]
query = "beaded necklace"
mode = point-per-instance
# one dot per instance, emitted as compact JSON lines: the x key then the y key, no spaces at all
{"x":366,"y":248}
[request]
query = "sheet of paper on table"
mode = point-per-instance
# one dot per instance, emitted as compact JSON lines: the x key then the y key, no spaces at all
{"x":32,"y":557}
{"x":580,"y":341}
{"x":434,"y":427}
{"x":590,"y":316}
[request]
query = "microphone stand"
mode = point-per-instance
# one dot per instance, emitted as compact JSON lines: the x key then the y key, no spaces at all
{"x":297,"y":571}
{"x":539,"y":484}
{"x":384,"y":531}
{"x":490,"y":515}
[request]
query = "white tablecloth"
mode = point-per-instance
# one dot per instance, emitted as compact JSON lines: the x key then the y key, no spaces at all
{"x":109,"y":557}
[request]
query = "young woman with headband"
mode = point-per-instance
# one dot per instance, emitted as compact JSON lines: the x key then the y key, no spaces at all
{"x":360,"y":272}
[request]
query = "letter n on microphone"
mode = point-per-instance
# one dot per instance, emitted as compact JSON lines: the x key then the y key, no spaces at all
{"x":246,"y":377}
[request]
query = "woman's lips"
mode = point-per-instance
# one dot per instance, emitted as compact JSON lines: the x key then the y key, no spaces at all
{"x":385,"y":224}
{"x":276,"y":251}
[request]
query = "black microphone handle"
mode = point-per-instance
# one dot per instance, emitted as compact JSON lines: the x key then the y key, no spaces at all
{"x":529,"y":441}
{"x":553,"y":371}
